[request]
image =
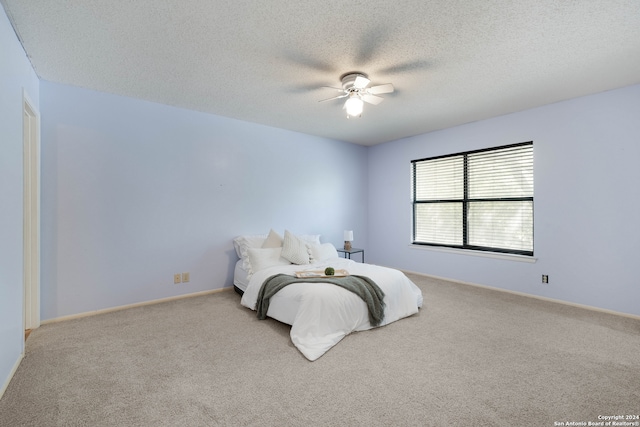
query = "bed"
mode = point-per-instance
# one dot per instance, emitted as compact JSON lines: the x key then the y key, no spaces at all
{"x":320,"y":314}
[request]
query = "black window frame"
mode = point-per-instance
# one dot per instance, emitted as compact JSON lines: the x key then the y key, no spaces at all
{"x":466,"y":201}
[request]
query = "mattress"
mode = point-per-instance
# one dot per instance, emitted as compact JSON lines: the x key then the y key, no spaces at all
{"x":240,"y":279}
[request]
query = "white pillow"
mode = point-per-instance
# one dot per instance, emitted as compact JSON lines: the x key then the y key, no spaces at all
{"x":323,"y":252}
{"x":243,"y":243}
{"x":254,"y":241}
{"x":295,"y":249}
{"x":261,"y":258}
{"x":310,"y":238}
{"x":274,"y":240}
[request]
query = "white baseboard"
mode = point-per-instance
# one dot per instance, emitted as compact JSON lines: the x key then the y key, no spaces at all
{"x":139,"y":304}
{"x":11,"y":374}
{"x":523,"y":294}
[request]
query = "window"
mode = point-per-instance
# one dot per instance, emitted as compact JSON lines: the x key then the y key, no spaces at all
{"x":480,"y":200}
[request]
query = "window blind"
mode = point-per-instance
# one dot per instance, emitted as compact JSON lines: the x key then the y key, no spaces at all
{"x":480,"y":200}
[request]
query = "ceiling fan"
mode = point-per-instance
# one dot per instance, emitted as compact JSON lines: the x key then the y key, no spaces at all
{"x":354,"y":88}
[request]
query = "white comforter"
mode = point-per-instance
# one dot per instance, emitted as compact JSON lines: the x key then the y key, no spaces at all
{"x":321,"y":314}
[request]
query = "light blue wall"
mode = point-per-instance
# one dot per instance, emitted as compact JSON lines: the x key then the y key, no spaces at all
{"x":16,"y":75}
{"x":133,"y":192}
{"x":587,"y":233}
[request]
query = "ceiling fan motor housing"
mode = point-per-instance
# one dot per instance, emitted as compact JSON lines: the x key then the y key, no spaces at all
{"x":349,"y":79}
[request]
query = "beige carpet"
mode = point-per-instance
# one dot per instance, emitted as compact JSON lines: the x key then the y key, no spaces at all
{"x":471,"y":357}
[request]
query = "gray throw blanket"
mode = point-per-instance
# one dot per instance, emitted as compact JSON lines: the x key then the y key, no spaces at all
{"x":362,"y":286}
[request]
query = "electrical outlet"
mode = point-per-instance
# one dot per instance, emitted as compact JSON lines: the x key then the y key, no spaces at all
{"x":176,"y":278}
{"x":185,"y":277}
{"x":545,"y":278}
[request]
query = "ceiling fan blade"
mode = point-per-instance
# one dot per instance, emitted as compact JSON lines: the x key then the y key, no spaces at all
{"x":361,"y":82}
{"x":385,"y":88}
{"x":372,"y":99}
{"x":331,"y":87}
{"x":335,"y":97}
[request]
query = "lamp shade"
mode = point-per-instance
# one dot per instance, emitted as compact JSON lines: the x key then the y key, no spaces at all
{"x":348,"y":235}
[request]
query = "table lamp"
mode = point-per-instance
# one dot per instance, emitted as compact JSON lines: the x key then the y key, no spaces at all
{"x":348,"y":238}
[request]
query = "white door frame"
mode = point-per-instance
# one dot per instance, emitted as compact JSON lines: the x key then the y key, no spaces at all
{"x":31,"y":209}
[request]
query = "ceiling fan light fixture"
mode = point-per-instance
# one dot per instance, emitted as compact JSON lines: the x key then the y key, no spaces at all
{"x":354,"y":106}
{"x":355,"y":87}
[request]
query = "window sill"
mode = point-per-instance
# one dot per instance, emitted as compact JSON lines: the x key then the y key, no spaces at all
{"x":469,"y":252}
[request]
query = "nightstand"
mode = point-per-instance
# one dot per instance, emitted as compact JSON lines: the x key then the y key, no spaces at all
{"x":348,"y":252}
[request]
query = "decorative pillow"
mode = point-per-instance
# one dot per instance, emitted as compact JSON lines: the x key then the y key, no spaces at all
{"x":323,"y":252}
{"x":261,"y":258}
{"x":254,"y":241}
{"x":243,"y":243}
{"x":295,"y":249}
{"x":274,"y":240}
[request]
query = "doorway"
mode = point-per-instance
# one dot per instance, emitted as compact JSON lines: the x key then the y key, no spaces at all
{"x":31,"y":209}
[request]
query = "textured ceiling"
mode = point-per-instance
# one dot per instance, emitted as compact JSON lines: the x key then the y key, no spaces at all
{"x":451,"y":62}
